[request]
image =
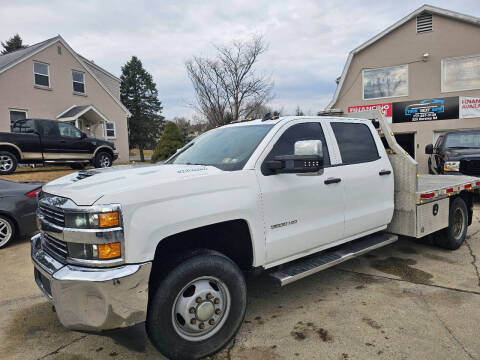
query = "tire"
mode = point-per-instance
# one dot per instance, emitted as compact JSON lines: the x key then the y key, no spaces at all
{"x":169,"y":319}
{"x":454,"y":236}
{"x":7,"y":231}
{"x":103,"y":160}
{"x":8,"y":163}
{"x":77,"y":166}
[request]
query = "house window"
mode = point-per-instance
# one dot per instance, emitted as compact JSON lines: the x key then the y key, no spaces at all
{"x":385,"y":82}
{"x":16,"y":115}
{"x":110,"y":130}
{"x":461,"y":73}
{"x":41,"y":74}
{"x":78,"y":81}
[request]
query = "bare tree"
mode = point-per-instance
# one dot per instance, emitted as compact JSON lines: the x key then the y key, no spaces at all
{"x":227,"y":86}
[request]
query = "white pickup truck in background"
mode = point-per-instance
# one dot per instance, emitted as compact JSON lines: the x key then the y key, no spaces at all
{"x":170,"y":244}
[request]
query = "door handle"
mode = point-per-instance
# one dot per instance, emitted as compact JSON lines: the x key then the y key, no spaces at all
{"x":332,"y":181}
{"x":384,"y":172}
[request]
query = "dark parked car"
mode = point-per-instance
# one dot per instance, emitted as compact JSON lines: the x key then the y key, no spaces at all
{"x":34,"y":141}
{"x":18,"y":204}
{"x":455,"y":152}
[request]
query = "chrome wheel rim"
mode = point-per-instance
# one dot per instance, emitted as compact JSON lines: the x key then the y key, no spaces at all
{"x":104,"y":161}
{"x":458,"y":223}
{"x":6,"y":163}
{"x":201,"y":308}
{"x":6,"y":232}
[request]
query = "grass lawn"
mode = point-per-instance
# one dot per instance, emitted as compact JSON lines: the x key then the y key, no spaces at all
{"x":43,"y":174}
{"x":136,"y":152}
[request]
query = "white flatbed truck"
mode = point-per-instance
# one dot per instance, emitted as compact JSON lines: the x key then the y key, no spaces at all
{"x":170,"y":244}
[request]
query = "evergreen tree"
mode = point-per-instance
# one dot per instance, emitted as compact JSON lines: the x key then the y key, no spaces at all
{"x":171,"y":140}
{"x":139,"y":94}
{"x":12,"y":44}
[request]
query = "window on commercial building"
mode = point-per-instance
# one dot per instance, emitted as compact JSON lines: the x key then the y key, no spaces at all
{"x":16,"y":115}
{"x":110,"y":130}
{"x":41,"y":74}
{"x":78,"y":78}
{"x":385,"y":82}
{"x":355,"y":142}
{"x":461,"y":73}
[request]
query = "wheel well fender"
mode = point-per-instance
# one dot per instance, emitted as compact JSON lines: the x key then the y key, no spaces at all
{"x":104,"y":148}
{"x":230,"y":238}
{"x":14,"y":149}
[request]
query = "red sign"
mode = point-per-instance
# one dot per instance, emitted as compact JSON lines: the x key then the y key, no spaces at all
{"x":386,"y":109}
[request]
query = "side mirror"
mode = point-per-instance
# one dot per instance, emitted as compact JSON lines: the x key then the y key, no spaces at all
{"x":307,"y":158}
{"x":429,"y":149}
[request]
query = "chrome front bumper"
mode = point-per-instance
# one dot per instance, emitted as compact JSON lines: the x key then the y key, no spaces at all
{"x":92,"y":299}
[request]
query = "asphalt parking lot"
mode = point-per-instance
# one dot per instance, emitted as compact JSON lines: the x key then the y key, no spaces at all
{"x":406,"y":301}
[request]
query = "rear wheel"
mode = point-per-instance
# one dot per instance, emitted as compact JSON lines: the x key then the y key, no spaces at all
{"x":8,"y":162}
{"x":197,"y":308}
{"x":7,"y":231}
{"x":453,"y":237}
{"x":103,"y":160}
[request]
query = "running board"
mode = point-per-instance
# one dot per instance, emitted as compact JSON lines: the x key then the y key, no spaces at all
{"x":301,"y":268}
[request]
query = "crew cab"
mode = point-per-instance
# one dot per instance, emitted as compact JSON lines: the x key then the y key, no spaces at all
{"x":38,"y":141}
{"x":170,"y":244}
{"x":455,"y":152}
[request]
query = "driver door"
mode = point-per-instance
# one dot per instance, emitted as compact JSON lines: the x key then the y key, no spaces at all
{"x":302,"y":212}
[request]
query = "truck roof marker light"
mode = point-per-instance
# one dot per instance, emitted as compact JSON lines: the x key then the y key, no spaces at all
{"x":418,"y":175}
{"x":427,"y":195}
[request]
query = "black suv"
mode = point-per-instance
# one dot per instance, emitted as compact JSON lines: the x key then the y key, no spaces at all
{"x":37,"y":141}
{"x":456,"y":152}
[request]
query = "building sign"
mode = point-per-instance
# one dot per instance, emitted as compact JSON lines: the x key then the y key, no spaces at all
{"x":385,"y":109}
{"x":469,"y":107}
{"x":425,"y":110}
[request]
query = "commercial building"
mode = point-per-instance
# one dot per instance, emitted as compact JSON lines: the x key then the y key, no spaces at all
{"x":423,"y":72}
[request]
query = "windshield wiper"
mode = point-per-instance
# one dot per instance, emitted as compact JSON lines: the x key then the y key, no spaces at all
{"x":462,"y":147}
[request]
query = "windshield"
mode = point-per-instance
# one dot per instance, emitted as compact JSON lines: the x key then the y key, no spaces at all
{"x":227,"y":148}
{"x":463,"y":140}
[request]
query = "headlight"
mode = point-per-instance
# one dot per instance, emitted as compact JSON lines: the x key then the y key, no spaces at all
{"x":92,"y":220}
{"x":451,"y":166}
{"x":94,"y":252}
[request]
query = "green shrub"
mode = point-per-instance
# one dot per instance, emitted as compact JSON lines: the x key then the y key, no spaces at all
{"x":171,"y":140}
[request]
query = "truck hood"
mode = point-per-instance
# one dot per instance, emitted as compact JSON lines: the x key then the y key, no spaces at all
{"x":87,"y":187}
{"x":459,"y":154}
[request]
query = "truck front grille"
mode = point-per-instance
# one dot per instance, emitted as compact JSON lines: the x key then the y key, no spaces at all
{"x":55,"y":248}
{"x":470,"y":167}
{"x":52,"y":215}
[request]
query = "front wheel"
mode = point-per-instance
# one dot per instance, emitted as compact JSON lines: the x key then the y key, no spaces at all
{"x":7,"y":231}
{"x":453,"y":237}
{"x":103,"y":160}
{"x":197,"y":307}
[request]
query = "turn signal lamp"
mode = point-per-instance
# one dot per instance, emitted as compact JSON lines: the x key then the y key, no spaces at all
{"x":109,"y":251}
{"x":106,"y":220}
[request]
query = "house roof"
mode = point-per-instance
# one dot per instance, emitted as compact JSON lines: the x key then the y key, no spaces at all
{"x":12,"y":58}
{"x":75,"y":111}
{"x":425,"y":8}
{"x":109,"y":82}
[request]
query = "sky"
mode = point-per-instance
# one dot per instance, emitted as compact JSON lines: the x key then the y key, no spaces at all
{"x":308,"y":40}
